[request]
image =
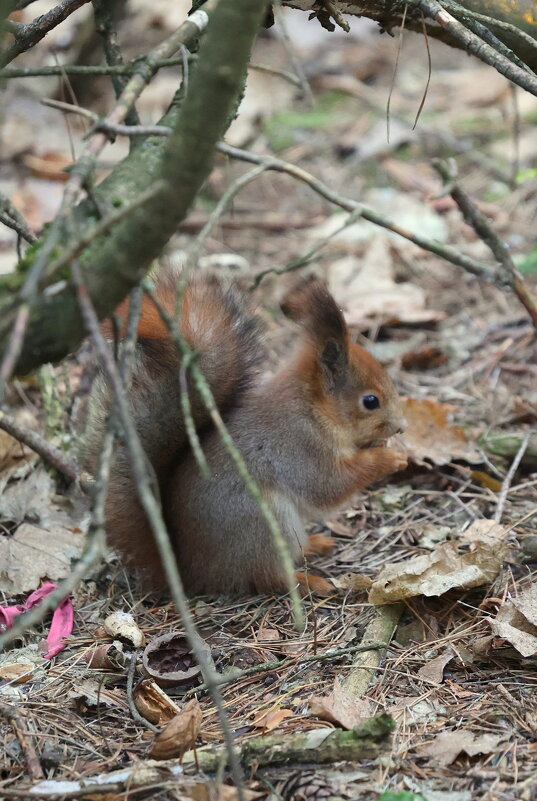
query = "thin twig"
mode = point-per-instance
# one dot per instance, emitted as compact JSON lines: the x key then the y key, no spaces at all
{"x":153,"y":511}
{"x":232,"y":190}
{"x":506,"y":483}
{"x":208,"y":399}
{"x":105,"y":28}
{"x":475,"y":45}
{"x":29,"y":35}
{"x":479,"y":269}
{"x":279,"y":664}
{"x":53,"y":456}
{"x":130,"y":697}
{"x":80,"y":175}
{"x":10,"y":713}
{"x":477,"y":220}
{"x":302,"y":261}
{"x":11,"y":217}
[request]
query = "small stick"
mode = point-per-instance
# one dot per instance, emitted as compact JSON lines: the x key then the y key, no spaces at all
{"x":279,"y":664}
{"x":506,"y":484}
{"x":35,"y":771}
{"x":59,"y":461}
{"x":139,"y":718}
{"x":382,"y":629}
{"x":477,"y":220}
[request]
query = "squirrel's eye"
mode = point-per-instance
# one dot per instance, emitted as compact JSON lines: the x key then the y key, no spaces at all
{"x":370,"y":402}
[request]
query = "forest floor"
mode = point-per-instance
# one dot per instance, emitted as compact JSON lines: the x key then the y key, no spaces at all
{"x":458,"y":676}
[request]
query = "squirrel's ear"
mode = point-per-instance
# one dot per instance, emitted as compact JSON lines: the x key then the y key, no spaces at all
{"x":333,"y":360}
{"x":312,"y":306}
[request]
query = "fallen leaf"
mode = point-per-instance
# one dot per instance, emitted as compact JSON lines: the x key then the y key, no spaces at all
{"x":423,"y":358}
{"x":215,"y":791}
{"x":367,"y":289}
{"x":447,"y":746}
{"x":154,"y":704}
{"x":342,"y":708}
{"x":471,"y":561}
{"x":516,"y":621}
{"x":484,"y":480}
{"x":33,"y":554}
{"x":49,"y":165}
{"x":272,"y":719}
{"x":169,"y":660}
{"x":92,"y":693}
{"x":429,"y":437}
{"x":16,"y":672}
{"x":433,"y":671}
{"x":122,"y":626}
{"x":268,"y":635}
{"x":106,"y":657}
{"x":12,"y":452}
{"x":180,"y":734}
{"x":352,"y":582}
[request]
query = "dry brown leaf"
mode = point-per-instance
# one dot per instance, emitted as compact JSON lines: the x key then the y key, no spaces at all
{"x":367,"y":289}
{"x":33,"y":554}
{"x":447,"y":746}
{"x":423,"y":358}
{"x":180,"y":734}
{"x":213,"y":791}
{"x":352,"y":582}
{"x":108,"y":656}
{"x":49,"y":165}
{"x":429,"y":437}
{"x":516,"y":621}
{"x":487,"y":481}
{"x":471,"y":561}
{"x":12,"y":452}
{"x":434,"y":669}
{"x":342,"y":708}
{"x":272,"y":719}
{"x":16,"y":672}
{"x":122,"y":626}
{"x":153,"y":703}
{"x":268,"y":635}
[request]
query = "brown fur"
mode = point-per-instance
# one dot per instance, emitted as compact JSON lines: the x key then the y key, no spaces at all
{"x":305,"y":435}
{"x":217,"y":323}
{"x":307,"y":441}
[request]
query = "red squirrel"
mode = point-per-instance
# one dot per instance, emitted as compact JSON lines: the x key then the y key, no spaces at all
{"x":312,"y":435}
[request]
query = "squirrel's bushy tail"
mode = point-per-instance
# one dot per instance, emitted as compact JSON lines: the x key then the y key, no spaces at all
{"x":218,"y":324}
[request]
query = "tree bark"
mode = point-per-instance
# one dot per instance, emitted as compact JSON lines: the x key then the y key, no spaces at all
{"x":522,"y":15}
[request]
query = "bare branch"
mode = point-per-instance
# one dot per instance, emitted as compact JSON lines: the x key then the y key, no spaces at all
{"x":26,"y":36}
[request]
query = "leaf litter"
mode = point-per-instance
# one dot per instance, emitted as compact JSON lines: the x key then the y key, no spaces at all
{"x":461,"y":686}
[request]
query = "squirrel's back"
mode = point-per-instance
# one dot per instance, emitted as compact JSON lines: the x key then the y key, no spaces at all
{"x":217,"y":323}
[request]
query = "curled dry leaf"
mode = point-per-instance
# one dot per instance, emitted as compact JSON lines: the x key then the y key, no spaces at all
{"x":215,"y":791}
{"x":169,"y":660}
{"x":271,"y":720}
{"x":179,"y":736}
{"x":154,"y":704}
{"x":106,"y":657}
{"x":122,"y":626}
{"x":516,"y":622}
{"x":471,"y":561}
{"x":16,"y":672}
{"x":447,"y":746}
{"x":342,"y":708}
{"x":368,"y":290}
{"x":429,"y":436}
{"x":352,"y":582}
{"x":433,"y":670}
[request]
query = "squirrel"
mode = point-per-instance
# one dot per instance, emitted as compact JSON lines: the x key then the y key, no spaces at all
{"x":312,"y":435}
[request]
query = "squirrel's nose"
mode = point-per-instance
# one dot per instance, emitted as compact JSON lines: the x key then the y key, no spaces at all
{"x":402,"y":423}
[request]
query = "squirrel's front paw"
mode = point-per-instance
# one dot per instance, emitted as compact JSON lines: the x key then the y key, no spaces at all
{"x":398,"y":459}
